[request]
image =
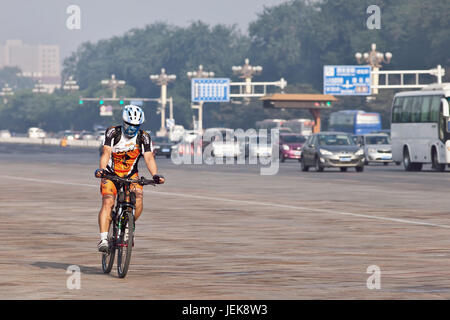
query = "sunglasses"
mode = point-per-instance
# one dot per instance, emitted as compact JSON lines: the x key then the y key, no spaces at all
{"x":132,"y":125}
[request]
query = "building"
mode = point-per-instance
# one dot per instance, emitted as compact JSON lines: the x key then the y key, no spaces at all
{"x":41,"y":62}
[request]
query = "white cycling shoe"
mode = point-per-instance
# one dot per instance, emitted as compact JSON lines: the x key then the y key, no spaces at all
{"x":103,"y":246}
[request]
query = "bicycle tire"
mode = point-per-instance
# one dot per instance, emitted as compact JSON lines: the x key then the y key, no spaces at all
{"x":125,"y":246}
{"x":108,"y":258}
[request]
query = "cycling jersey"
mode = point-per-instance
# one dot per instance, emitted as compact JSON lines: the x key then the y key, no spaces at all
{"x":126,"y":152}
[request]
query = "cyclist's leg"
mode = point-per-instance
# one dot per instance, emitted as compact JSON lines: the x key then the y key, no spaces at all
{"x":138,"y":190}
{"x":139,"y":201}
{"x":109,"y":192}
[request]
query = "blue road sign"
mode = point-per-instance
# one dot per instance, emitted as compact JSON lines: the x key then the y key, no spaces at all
{"x":347,"y":80}
{"x":210,"y":90}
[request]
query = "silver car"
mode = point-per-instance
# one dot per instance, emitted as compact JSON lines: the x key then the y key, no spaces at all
{"x":224,"y":143}
{"x":331,"y":149}
{"x":377,"y":148}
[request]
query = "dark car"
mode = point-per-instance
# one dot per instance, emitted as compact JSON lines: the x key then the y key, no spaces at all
{"x":358,"y":139}
{"x":332,"y":149}
{"x":291,"y":146}
{"x":162,"y":146}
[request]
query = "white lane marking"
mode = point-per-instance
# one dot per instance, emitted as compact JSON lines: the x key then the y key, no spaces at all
{"x":50,"y":181}
{"x":249,"y":202}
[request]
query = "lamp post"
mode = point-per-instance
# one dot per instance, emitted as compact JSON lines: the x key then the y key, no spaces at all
{"x":247,"y":72}
{"x":163,"y":80}
{"x":6,"y":91}
{"x":71,"y":85}
{"x":374,"y":59}
{"x":39,"y":87}
{"x":113,"y":84}
{"x":200,"y":73}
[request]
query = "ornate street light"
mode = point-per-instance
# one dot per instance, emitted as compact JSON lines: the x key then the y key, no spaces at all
{"x":200,"y":73}
{"x":71,"y":85}
{"x":39,"y":87}
{"x":113,"y":84}
{"x":247,"y":72}
{"x":163,"y":80}
{"x":374,"y":59}
{"x":6,"y":92}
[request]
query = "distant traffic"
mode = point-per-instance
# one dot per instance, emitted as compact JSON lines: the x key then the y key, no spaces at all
{"x":419,"y":134}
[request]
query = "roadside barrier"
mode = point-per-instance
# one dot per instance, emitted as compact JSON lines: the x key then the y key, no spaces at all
{"x":53,"y":141}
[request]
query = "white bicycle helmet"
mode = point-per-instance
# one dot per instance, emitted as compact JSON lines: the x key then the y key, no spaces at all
{"x":133,"y":117}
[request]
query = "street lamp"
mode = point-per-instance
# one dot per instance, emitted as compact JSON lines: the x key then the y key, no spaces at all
{"x":71,"y":85}
{"x":247,"y":72}
{"x":163,"y":80}
{"x":39,"y":87}
{"x":6,"y":91}
{"x":113,"y":84}
{"x":200,"y":73}
{"x":374,"y":59}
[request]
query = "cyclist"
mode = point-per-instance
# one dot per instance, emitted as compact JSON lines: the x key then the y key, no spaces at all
{"x":123,"y":146}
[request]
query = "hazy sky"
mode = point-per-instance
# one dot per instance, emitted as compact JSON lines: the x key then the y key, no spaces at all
{"x":44,"y":21}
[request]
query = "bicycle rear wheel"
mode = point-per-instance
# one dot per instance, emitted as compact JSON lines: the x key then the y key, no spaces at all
{"x":125,"y":244}
{"x":108,"y":257}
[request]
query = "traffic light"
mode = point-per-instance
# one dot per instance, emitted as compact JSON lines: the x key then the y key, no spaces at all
{"x":121,"y":101}
{"x":322,"y":104}
{"x":80,"y":101}
{"x":101,"y":102}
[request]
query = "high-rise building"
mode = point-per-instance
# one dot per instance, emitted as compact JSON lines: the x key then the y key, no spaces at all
{"x":37,"y":61}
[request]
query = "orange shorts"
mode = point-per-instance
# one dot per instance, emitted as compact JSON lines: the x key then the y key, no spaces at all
{"x":108,"y":188}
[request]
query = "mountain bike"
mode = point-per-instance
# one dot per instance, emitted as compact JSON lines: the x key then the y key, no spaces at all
{"x":121,"y":229}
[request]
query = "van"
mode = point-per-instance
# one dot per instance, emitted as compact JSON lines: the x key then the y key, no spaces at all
{"x":36,"y":133}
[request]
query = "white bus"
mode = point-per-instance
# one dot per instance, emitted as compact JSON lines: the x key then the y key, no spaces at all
{"x":269,"y":124}
{"x":300,"y":126}
{"x":420,"y":128}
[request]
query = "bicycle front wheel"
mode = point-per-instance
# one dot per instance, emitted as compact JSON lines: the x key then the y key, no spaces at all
{"x":125,"y":244}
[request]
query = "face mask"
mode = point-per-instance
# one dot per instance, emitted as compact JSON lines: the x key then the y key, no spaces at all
{"x":130,"y":130}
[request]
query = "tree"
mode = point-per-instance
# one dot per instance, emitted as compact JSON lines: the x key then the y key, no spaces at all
{"x":293,"y":40}
{"x":10,"y":76}
{"x":141,"y":52}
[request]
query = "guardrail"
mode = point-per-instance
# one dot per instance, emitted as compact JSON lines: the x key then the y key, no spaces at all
{"x":52,"y":141}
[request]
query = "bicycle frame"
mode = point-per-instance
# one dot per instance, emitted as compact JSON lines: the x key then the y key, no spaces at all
{"x":122,"y":215}
{"x":126,"y":199}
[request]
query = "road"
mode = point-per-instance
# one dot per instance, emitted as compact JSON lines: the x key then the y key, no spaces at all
{"x":226,"y":232}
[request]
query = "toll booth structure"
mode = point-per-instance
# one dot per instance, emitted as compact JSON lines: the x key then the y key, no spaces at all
{"x":313,"y":102}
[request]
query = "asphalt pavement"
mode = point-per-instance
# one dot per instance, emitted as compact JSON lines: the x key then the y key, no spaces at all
{"x":226,"y":231}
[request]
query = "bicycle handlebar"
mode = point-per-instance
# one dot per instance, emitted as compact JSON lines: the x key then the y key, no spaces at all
{"x":142,"y":181}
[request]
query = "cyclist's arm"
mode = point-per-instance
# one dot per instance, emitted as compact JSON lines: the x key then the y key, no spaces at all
{"x":148,"y":155}
{"x":104,"y":158}
{"x":150,"y":162}
{"x":107,"y":147}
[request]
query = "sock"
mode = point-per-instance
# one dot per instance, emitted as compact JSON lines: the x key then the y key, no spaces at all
{"x":103,"y":235}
